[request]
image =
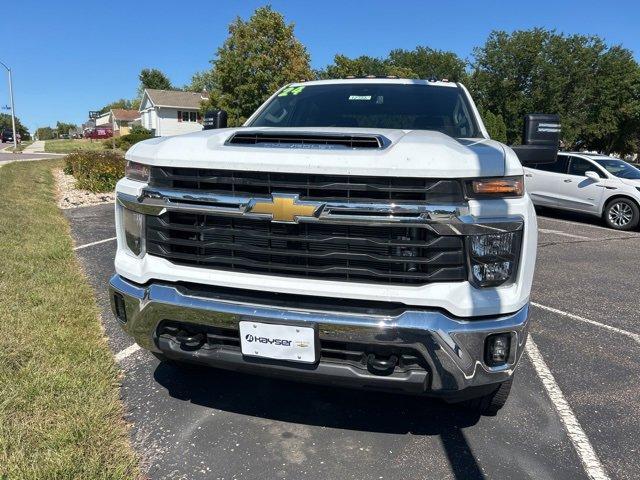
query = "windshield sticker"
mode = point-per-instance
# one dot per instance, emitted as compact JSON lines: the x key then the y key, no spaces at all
{"x":291,"y":91}
{"x":359,"y":97}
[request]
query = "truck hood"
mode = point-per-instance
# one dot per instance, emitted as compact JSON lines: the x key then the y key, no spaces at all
{"x":409,"y":153}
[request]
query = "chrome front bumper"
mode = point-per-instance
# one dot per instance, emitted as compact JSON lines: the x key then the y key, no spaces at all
{"x":452,"y":348}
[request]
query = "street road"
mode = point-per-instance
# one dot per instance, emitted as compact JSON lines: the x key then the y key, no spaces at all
{"x":10,"y":157}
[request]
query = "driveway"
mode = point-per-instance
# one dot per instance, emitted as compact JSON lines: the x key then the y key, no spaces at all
{"x":573,"y":411}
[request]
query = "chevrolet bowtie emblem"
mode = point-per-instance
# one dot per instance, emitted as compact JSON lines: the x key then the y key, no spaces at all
{"x":284,"y":208}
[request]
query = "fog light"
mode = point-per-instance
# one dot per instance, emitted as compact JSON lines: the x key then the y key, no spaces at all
{"x":133,"y":226}
{"x":497,"y":349}
{"x":491,"y":273}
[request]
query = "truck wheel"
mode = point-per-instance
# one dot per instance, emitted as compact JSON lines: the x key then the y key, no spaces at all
{"x":622,"y":214}
{"x":491,"y":403}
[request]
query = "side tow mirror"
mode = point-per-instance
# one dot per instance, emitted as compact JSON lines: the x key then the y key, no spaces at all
{"x":215,"y":119}
{"x":540,"y":139}
{"x":592,"y":176}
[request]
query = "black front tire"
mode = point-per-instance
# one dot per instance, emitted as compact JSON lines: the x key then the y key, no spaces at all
{"x":621,"y":214}
{"x":491,"y":403}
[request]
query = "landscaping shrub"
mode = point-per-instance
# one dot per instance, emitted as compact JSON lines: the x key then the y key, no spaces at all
{"x":125,"y":141}
{"x":95,"y":171}
{"x":68,"y":167}
{"x":137,"y":128}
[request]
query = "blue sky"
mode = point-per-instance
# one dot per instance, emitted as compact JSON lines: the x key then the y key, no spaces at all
{"x":71,"y":57}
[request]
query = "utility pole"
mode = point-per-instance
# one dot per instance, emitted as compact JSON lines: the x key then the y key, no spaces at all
{"x":13,"y":110}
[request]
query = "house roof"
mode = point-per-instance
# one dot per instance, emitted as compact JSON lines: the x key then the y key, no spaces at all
{"x":126,"y":115}
{"x":175,"y":98}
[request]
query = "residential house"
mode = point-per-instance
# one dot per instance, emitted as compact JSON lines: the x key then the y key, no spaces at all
{"x":119,"y":119}
{"x":104,"y":119}
{"x":123,"y":120}
{"x":171,"y":112}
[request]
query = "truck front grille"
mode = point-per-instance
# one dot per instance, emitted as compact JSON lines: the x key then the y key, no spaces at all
{"x":374,"y":254}
{"x":349,"y":188}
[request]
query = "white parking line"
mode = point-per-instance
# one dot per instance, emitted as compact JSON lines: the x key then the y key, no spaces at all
{"x":632,"y":233}
{"x":95,"y":243}
{"x":130,"y":350}
{"x":634,"y":336}
{"x":579,"y":439}
{"x":572,"y":222}
{"x":564,"y":234}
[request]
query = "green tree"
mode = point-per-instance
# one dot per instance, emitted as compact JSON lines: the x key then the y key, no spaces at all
{"x":613,"y":122}
{"x":422,"y":62}
{"x":201,"y":82}
{"x":45,"y":133}
{"x":154,"y":78}
{"x":259,"y":56}
{"x":124,"y":103}
{"x":495,"y":126}
{"x":5,"y":122}
{"x":63,"y":128}
{"x":594,"y":88}
{"x":344,"y":66}
{"x":426,"y":62}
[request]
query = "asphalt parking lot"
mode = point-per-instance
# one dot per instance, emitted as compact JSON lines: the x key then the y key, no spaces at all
{"x":574,"y":411}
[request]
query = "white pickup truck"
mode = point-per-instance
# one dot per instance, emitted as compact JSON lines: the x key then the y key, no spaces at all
{"x":357,"y":232}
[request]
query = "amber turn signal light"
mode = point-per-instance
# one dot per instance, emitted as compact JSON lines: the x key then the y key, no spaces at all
{"x":496,"y":187}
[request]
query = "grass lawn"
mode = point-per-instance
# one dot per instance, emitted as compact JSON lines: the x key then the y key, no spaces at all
{"x":60,"y":408}
{"x":73,"y":145}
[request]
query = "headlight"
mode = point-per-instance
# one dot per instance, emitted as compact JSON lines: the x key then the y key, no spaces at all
{"x":493,"y":258}
{"x":501,"y":187}
{"x":137,"y":171}
{"x":133,"y":229}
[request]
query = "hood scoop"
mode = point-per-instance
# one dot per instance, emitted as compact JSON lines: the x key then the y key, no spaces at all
{"x":307,"y":140}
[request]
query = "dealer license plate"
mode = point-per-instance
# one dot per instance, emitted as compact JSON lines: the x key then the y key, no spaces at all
{"x":280,"y":342}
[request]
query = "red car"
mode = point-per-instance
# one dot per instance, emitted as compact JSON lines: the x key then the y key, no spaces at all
{"x":98,"y":133}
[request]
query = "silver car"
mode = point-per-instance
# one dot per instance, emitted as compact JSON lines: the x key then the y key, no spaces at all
{"x":590,"y":183}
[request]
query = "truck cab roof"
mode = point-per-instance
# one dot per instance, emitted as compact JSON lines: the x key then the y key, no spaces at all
{"x":378,"y":80}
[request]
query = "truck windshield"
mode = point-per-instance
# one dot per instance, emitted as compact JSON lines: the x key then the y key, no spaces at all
{"x":619,"y":168}
{"x":370,"y":105}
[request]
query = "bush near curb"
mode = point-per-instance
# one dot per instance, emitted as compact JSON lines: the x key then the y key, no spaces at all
{"x":125,"y":142}
{"x":95,"y":171}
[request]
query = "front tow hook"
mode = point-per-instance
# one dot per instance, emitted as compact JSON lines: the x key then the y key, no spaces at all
{"x":381,"y":366}
{"x":190,"y":341}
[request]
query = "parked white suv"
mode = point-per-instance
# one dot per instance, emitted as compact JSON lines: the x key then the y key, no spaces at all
{"x":590,"y":183}
{"x":357,"y":232}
